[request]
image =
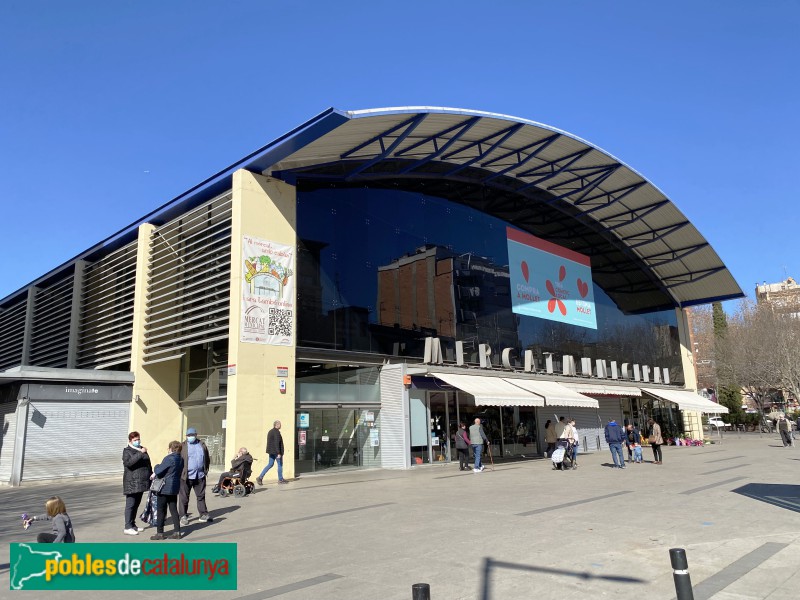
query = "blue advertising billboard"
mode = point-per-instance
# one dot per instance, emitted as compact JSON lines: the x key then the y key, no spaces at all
{"x":550,"y":282}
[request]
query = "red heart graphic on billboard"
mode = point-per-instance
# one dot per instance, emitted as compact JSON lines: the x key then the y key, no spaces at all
{"x":550,"y":288}
{"x":562,"y":272}
{"x":524,"y":266}
{"x":583,"y":288}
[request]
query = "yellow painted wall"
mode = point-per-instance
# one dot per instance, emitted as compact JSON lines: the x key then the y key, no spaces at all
{"x":692,"y":420}
{"x":263,"y":208}
{"x":156,"y":414}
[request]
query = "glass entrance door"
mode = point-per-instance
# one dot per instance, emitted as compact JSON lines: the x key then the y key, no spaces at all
{"x":337,"y":438}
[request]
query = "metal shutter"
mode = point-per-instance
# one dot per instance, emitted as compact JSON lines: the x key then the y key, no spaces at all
{"x":71,"y":439}
{"x":395,"y":445}
{"x":590,"y":422}
{"x":8,"y":422}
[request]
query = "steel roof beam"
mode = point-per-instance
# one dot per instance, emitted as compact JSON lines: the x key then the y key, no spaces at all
{"x":692,"y":279}
{"x":575,"y":157}
{"x":612,"y":197}
{"x":654,"y":235}
{"x":674,"y":255}
{"x":411,"y":125}
{"x":542,"y":144}
{"x":604,"y":174}
{"x":458,"y":130}
{"x":571,"y":159}
{"x":634,"y":211}
{"x":481,"y":154}
{"x":379,"y":138}
{"x":465,"y":127}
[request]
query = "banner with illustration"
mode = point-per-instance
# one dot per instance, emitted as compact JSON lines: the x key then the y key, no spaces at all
{"x":549,"y":281}
{"x":268,"y":292}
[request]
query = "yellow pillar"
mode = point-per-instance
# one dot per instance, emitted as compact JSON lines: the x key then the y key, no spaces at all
{"x":692,"y":419}
{"x":263,"y":208}
{"x":155,"y":412}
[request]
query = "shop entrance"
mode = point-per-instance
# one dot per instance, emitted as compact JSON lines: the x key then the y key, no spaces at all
{"x":337,"y":438}
{"x":435,"y":416}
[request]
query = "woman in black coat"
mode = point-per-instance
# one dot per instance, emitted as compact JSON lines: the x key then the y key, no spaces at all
{"x":170,"y":471}
{"x":135,"y":479}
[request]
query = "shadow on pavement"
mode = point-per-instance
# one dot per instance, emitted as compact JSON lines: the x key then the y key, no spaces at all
{"x":491,"y":565}
{"x":783,"y":495}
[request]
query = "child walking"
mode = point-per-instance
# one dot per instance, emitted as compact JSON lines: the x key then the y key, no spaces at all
{"x":62,"y":524}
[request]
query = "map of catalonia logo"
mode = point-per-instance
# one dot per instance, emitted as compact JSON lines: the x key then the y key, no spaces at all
{"x":123,"y":567}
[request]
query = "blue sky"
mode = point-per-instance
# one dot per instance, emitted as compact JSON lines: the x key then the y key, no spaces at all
{"x":110,"y":109}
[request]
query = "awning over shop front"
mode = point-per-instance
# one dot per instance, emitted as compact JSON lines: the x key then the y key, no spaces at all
{"x":687,"y":400}
{"x":603,"y":390}
{"x":555,"y":394}
{"x":491,"y":391}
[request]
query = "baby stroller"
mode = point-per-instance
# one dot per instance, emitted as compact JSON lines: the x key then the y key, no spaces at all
{"x":237,"y":484}
{"x":562,"y":455}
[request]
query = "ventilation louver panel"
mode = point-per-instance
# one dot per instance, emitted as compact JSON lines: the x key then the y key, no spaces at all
{"x":12,"y":332}
{"x":106,"y":327}
{"x":52,"y":311}
{"x":189,"y":281}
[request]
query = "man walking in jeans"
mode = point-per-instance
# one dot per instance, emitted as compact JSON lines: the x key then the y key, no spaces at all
{"x":477,"y":438}
{"x":614,"y":438}
{"x":275,"y":452}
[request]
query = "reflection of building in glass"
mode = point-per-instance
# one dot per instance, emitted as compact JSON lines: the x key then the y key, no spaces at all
{"x":438,"y":293}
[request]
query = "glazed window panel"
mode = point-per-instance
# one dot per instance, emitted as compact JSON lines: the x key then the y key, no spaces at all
{"x":381,"y":270}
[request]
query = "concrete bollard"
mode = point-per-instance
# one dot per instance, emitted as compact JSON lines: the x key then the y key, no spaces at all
{"x":421,"y":591}
{"x":680,"y":574}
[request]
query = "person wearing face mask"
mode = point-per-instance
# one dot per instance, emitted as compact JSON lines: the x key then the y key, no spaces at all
{"x":196,"y":461}
{"x":135,"y":479}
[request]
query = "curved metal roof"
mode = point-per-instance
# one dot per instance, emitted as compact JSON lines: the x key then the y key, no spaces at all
{"x":645,"y":253}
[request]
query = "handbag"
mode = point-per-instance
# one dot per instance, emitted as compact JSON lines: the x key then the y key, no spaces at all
{"x":157,"y":484}
{"x":651,"y":439}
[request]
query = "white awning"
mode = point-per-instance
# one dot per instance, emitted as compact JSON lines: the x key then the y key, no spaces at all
{"x":554,"y":393}
{"x":687,"y":400}
{"x":491,"y":391}
{"x":603,"y":390}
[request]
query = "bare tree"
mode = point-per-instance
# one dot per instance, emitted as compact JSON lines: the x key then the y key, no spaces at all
{"x":786,"y":347}
{"x":746,"y":355}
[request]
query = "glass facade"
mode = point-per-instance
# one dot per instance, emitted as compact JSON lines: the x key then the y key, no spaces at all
{"x":380,"y":270}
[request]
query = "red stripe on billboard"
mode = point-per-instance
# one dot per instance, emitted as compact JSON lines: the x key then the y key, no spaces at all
{"x":534,"y":242}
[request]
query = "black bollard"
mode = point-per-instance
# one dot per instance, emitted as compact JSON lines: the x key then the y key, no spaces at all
{"x":680,"y":573}
{"x":421,"y":591}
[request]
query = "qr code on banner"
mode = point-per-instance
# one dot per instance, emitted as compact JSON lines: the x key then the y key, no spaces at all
{"x":280,"y":322}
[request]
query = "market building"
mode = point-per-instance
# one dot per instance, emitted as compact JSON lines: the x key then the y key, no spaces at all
{"x":370,"y":279}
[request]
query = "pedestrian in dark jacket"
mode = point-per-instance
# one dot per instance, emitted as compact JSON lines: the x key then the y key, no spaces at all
{"x":462,"y":447}
{"x":275,"y":452}
{"x":135,"y":479}
{"x":633,"y":438}
{"x":614,"y":438}
{"x":170,"y":471}
{"x":196,"y":461}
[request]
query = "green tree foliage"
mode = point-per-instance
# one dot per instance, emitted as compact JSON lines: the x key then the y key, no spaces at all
{"x":730,"y":397}
{"x":720,"y":320}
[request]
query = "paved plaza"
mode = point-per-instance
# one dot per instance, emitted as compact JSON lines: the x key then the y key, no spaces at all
{"x":521,"y":530}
